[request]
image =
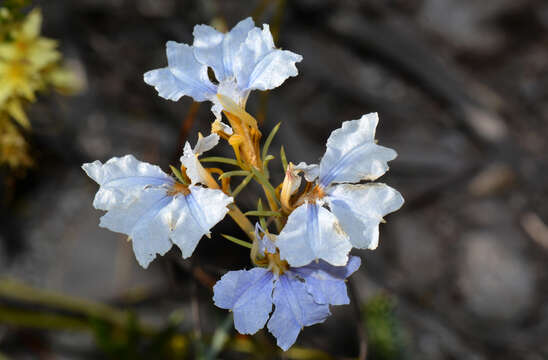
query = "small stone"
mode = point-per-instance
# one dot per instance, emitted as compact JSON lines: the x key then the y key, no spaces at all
{"x":493,"y":179}
{"x":496,"y":281}
{"x":416,"y":246}
{"x":535,"y":228}
{"x":487,"y":212}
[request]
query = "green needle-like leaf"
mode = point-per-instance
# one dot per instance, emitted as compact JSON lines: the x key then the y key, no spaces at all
{"x":269,"y":139}
{"x":220,"y":159}
{"x":234,"y":173}
{"x":267,"y":185}
{"x":238,"y":241}
{"x":266,"y":160}
{"x":242,"y":185}
{"x":283,"y":158}
{"x":178,"y":174}
{"x":262,"y":220}
{"x":262,"y":213}
{"x":219,"y":339}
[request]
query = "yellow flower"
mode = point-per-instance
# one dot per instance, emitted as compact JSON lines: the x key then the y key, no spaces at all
{"x":28,"y":46}
{"x":14,"y":108}
{"x":28,"y":63}
{"x":13,"y":147}
{"x":17,"y":79}
{"x":24,"y":58}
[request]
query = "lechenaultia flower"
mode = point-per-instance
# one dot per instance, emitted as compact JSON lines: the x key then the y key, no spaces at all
{"x":355,"y":210}
{"x":243,"y":59}
{"x":301,"y":295}
{"x":154,"y":209}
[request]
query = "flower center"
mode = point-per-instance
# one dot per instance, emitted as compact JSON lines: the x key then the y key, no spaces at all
{"x":22,"y":47}
{"x":275,"y":264}
{"x":316,"y":193}
{"x":178,"y":188}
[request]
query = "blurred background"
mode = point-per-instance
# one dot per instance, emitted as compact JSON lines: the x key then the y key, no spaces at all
{"x":461,"y":87}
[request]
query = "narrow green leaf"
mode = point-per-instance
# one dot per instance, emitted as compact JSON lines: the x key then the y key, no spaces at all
{"x":262,"y":220}
{"x":178,"y":174}
{"x":219,"y":339}
{"x":266,"y":160}
{"x":267,"y":185}
{"x":296,"y":353}
{"x":283,"y":158}
{"x":220,"y":159}
{"x":238,"y":241}
{"x":234,"y":173}
{"x":262,"y":213}
{"x":242,"y":185}
{"x":269,"y":139}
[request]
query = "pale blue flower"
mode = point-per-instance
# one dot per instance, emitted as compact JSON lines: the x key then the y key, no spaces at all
{"x":301,"y":297}
{"x":243,"y":59}
{"x":153,"y":209}
{"x":355,"y":210}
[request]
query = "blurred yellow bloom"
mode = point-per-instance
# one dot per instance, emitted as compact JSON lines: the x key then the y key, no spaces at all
{"x":13,"y":147}
{"x":24,"y":57}
{"x":14,"y":108}
{"x":28,"y":63}
{"x":17,"y":79}
{"x":28,"y":46}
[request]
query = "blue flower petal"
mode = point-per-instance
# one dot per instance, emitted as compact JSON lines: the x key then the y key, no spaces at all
{"x":352,"y":154}
{"x":326,"y":283}
{"x":360,"y":208}
{"x":311,"y":233}
{"x":258,"y":65}
{"x":184,"y":75}
{"x":294,"y":309}
{"x":120,"y":178}
{"x":137,"y":198}
{"x":217,"y":50}
{"x":248,"y":293}
{"x":134,"y":194}
{"x":199,"y":212}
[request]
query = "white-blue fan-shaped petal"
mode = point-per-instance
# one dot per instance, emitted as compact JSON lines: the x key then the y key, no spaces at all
{"x":294,"y":309}
{"x":201,"y":210}
{"x":248,"y":293}
{"x":325,"y":282}
{"x":258,"y":65}
{"x":352,"y":154}
{"x":360,"y":208}
{"x":217,"y":50}
{"x":184,"y":75}
{"x":313,"y":233}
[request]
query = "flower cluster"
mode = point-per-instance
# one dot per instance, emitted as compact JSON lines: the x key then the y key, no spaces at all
{"x":300,"y":245}
{"x":28,"y":63}
{"x":301,"y":295}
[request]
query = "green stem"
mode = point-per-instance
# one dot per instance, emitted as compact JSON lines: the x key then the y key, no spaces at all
{"x":33,"y":319}
{"x":14,"y":290}
{"x":241,"y":220}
